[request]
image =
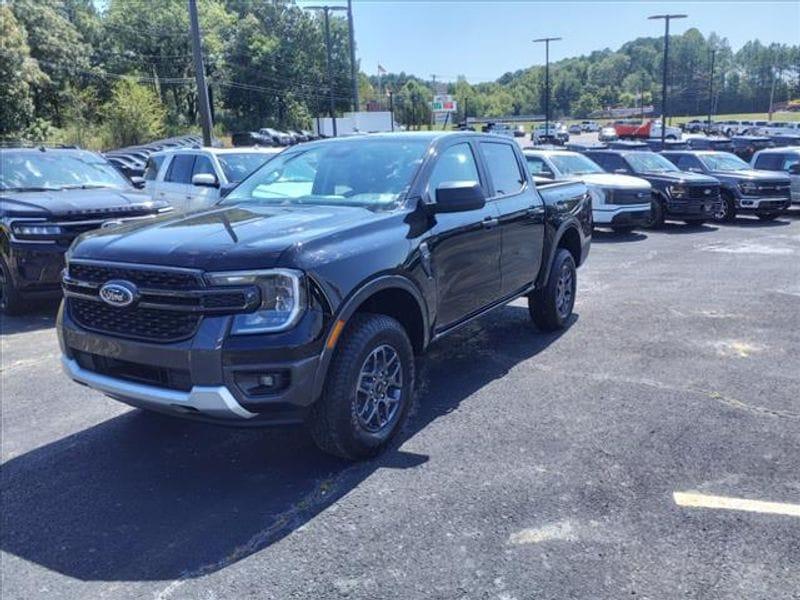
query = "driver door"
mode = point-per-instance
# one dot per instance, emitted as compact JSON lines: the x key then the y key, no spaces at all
{"x":464,"y":246}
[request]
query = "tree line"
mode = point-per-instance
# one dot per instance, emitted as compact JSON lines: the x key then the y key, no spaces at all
{"x":124,"y":74}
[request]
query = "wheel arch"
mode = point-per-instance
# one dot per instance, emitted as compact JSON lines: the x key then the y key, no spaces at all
{"x":392,"y":295}
{"x":568,"y":237}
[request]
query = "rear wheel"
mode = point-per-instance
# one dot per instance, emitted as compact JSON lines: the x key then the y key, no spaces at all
{"x":368,"y":389}
{"x":10,"y":299}
{"x":551,"y":307}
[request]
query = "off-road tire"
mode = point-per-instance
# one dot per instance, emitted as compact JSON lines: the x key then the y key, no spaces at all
{"x":333,"y":422}
{"x":542,"y":304}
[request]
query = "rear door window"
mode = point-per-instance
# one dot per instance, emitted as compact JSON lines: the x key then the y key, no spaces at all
{"x":153,"y":165}
{"x":501,"y":161}
{"x":180,"y":171}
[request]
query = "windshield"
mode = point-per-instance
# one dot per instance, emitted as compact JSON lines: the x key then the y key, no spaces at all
{"x":574,"y":164}
{"x":57,"y":170}
{"x":360,"y":172}
{"x":238,"y":166}
{"x":723,"y":161}
{"x":649,"y":162}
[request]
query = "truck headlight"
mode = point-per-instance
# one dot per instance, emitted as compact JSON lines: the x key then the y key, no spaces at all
{"x":677,"y":191}
{"x":748,"y":187}
{"x":36,"y":229}
{"x":283,"y":298}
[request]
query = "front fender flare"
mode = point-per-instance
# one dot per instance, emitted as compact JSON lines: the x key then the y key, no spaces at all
{"x":351,"y":304}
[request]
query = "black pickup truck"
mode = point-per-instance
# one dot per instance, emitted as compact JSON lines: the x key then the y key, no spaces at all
{"x":744,"y":189}
{"x":47,"y":198}
{"x":305,"y":293}
{"x":677,"y":195}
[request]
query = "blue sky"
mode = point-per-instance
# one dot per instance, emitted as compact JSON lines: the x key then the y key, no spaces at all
{"x":482,"y":40}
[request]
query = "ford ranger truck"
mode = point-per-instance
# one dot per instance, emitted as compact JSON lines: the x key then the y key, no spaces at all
{"x":304,"y":294}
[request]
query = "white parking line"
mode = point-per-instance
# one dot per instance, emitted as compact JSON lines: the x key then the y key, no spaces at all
{"x":695,"y":500}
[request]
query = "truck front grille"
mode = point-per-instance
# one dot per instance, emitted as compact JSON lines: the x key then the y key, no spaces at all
{"x":174,"y":379}
{"x":137,"y":323}
{"x":160,"y":279}
{"x":626,"y":197}
{"x":702,"y":192}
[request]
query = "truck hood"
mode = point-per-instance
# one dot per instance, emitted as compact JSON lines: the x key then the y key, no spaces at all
{"x":229,"y":238}
{"x":76,"y":203}
{"x":681,"y":177}
{"x":615,"y":181}
{"x":753,"y":175}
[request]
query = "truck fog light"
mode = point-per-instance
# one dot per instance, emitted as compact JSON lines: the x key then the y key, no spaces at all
{"x":255,"y":383}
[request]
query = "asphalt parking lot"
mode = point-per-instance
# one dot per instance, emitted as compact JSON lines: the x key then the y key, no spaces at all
{"x":534,"y":466}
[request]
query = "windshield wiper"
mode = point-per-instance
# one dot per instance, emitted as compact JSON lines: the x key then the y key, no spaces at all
{"x":83,"y":186}
{"x":30,"y":189}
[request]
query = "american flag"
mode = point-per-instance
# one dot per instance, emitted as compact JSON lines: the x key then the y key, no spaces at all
{"x":381,"y":70}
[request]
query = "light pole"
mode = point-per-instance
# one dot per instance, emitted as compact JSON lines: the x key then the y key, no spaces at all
{"x":353,"y":74}
{"x":390,"y":93}
{"x":667,"y":19}
{"x":711,"y":91}
{"x":326,"y":10}
{"x":547,"y":80}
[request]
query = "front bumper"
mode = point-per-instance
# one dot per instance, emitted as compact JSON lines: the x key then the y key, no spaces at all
{"x":623,"y":216}
{"x":36,"y":268}
{"x":693,"y":208}
{"x":758,"y":203}
{"x":206,"y":377}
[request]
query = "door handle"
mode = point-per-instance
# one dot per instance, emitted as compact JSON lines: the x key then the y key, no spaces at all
{"x":490,"y":223}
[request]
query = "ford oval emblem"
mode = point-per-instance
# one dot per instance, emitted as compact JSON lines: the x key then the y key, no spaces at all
{"x":118,"y":293}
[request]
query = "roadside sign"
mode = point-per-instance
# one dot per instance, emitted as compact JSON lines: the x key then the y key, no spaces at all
{"x":443,"y":103}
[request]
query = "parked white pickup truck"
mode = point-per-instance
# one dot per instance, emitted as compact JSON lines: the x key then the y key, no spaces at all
{"x":621,"y":202}
{"x":191,"y":178}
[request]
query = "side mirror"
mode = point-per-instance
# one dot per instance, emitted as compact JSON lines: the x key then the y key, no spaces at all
{"x":137,"y":182}
{"x":205,"y":180}
{"x":794,"y":169}
{"x":459,"y":196}
{"x":225,"y":189}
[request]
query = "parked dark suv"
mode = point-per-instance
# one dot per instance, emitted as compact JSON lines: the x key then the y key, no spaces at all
{"x":305,"y":293}
{"x":47,"y":198}
{"x":744,"y":189}
{"x":677,"y":195}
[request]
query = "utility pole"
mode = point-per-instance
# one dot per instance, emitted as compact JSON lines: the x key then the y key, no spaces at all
{"x":200,"y":74}
{"x":771,"y":94}
{"x":667,"y":19}
{"x":326,"y":10}
{"x":641,"y":96}
{"x":353,"y":70}
{"x":711,"y":91}
{"x":547,"y":81}
{"x":433,"y":116}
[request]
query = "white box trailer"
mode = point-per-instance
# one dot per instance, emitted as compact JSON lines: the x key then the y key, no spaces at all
{"x":356,"y":122}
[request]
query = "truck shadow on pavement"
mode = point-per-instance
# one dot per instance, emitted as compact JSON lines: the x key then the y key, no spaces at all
{"x":142,"y":497}
{"x":604,"y":236}
{"x":41,"y":316}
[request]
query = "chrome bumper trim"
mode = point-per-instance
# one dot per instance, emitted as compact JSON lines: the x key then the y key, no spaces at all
{"x":213,"y":401}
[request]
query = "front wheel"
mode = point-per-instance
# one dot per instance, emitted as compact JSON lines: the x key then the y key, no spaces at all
{"x":551,"y":306}
{"x":656,"y":219}
{"x":10,"y":300}
{"x":368,"y":389}
{"x":727,"y":210}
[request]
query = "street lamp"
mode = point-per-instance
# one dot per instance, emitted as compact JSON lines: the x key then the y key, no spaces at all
{"x":326,"y":10}
{"x":390,"y":94}
{"x":546,"y":80}
{"x":667,"y":19}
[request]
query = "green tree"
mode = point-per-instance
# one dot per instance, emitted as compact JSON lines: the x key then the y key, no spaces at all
{"x":19,"y":74}
{"x":134,"y":114}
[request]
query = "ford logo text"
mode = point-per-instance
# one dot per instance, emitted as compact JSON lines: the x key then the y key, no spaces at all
{"x":118,"y":293}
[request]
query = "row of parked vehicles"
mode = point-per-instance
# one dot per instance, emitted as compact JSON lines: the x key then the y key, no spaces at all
{"x":267,"y":136}
{"x":302,"y":293}
{"x":730,"y":128}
